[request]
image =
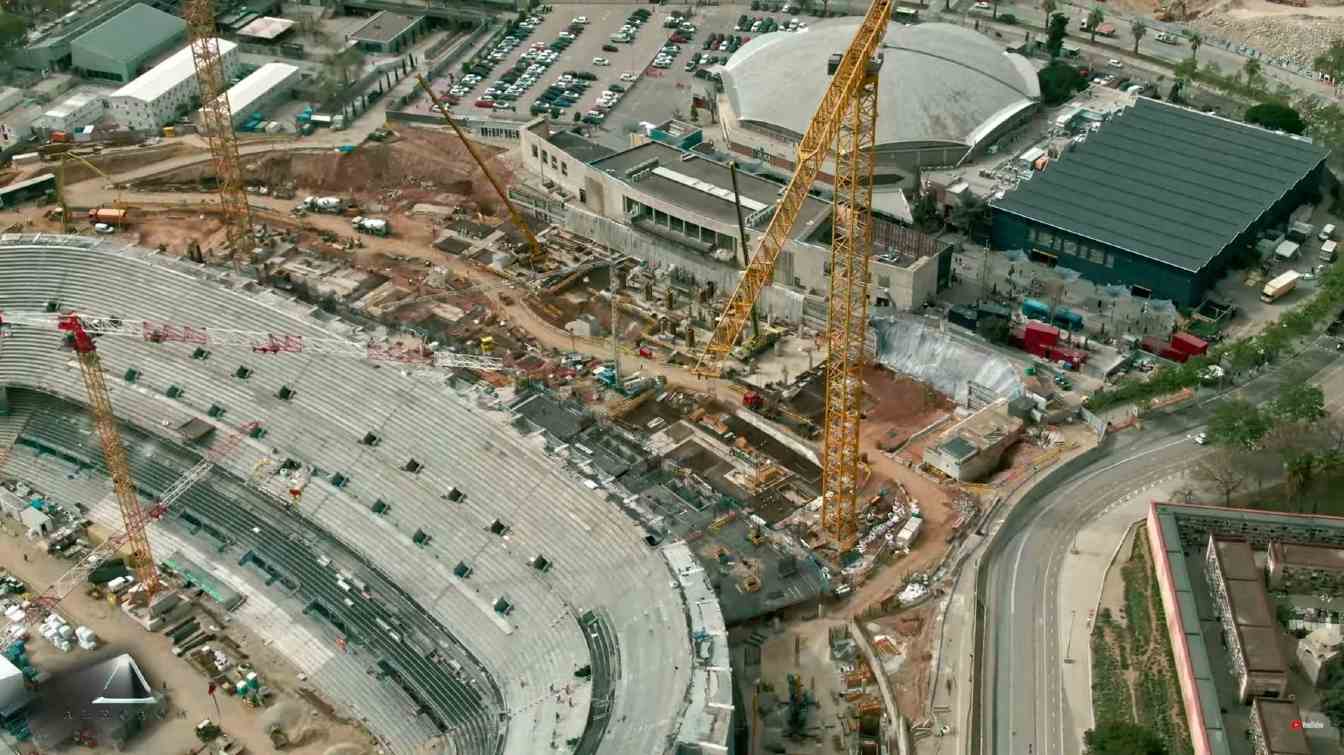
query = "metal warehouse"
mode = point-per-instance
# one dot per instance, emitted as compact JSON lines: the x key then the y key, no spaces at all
{"x":121,"y":47}
{"x":1160,"y":199}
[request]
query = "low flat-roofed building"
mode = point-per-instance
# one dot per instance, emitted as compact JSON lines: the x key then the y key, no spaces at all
{"x":972,"y":449}
{"x":1248,"y":621}
{"x":1319,"y":651}
{"x":266,"y":28}
{"x":387,"y":32}
{"x":76,"y":110}
{"x":1306,"y":568}
{"x":1276,"y":728}
{"x":157,"y":96}
{"x":266,"y":86}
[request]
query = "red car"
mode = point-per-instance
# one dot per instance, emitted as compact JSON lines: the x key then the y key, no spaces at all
{"x":487,"y":104}
{"x":677,"y":39}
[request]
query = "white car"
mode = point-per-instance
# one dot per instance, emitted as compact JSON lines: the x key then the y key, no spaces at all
{"x":1202,"y":439}
{"x":601,"y":62}
{"x":579,"y":20}
{"x":103,"y":228}
{"x":629,"y":77}
{"x":1113,"y":63}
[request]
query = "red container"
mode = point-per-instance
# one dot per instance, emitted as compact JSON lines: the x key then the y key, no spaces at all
{"x":1074,"y":357}
{"x":1192,"y":345}
{"x":1175,"y":355}
{"x":1040,"y":334}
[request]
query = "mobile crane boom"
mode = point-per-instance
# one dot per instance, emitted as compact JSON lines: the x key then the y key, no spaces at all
{"x":534,"y":246}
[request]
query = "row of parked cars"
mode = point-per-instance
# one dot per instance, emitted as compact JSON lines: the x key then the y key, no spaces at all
{"x":766,"y":24}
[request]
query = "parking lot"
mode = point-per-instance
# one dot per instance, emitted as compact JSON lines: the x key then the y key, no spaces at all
{"x":654,"y":90}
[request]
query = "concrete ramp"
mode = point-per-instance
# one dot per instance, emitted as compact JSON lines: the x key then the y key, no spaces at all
{"x":930,"y":351}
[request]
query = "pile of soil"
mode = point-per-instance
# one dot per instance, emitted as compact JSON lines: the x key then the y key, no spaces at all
{"x":419,"y":160}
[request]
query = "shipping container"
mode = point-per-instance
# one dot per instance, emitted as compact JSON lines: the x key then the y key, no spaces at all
{"x":963,"y":316}
{"x":1190,"y":344}
{"x":1068,"y":319}
{"x":1036,"y":310}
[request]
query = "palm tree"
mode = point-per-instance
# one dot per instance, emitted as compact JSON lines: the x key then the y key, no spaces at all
{"x":1195,"y":41}
{"x":1138,"y":28}
{"x":1094,"y":19}
{"x":1254,"y":72}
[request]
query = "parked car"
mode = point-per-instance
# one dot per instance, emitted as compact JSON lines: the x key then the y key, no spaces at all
{"x":610,"y":48}
{"x":601,"y":62}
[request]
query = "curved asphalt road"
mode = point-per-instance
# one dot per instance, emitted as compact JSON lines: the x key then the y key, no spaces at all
{"x":1023,"y":710}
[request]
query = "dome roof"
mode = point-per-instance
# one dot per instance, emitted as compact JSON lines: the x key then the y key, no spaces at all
{"x":940,"y":83}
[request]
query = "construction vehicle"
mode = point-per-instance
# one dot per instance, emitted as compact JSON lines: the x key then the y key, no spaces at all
{"x":67,"y":218}
{"x":328,"y":205}
{"x":217,"y":126}
{"x":114,"y":216}
{"x":844,"y":127}
{"x":536,"y":252}
{"x":1279,"y":287}
{"x":772,"y":409}
{"x":372,"y":226}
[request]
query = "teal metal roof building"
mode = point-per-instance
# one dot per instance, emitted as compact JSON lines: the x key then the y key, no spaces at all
{"x":127,"y":44}
{"x":1160,"y":199}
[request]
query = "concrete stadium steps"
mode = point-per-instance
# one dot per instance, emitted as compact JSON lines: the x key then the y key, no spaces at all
{"x":598,"y":564}
{"x":216,"y":501}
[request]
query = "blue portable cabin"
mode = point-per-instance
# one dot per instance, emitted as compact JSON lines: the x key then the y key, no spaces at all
{"x":1035,"y":309}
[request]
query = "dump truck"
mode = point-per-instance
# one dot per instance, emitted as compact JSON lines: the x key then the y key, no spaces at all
{"x":109,"y":215}
{"x":331,"y":205}
{"x":1279,"y":287}
{"x":375,"y":226}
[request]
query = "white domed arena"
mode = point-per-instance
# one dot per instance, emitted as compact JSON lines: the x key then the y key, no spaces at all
{"x":946,"y":93}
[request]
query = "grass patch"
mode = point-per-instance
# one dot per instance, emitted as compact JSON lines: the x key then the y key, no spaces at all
{"x":1133,"y":671}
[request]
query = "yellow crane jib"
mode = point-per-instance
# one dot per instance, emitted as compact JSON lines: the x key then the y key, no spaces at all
{"x":845,"y":127}
{"x":857,"y":65}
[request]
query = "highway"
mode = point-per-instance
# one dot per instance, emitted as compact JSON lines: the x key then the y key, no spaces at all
{"x":1024,"y":708}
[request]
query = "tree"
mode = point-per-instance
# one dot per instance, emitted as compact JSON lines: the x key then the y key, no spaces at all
{"x":1058,"y":82}
{"x":1332,"y":703}
{"x":1238,"y":424}
{"x":994,"y":329}
{"x":971,"y":215}
{"x":1225,"y":471}
{"x":1138,"y":28}
{"x":1299,"y":401}
{"x":12,"y":29}
{"x":1255,"y":73}
{"x":1049,"y":7}
{"x":1195,"y":41}
{"x":1186,"y":70}
{"x":1278,"y":117}
{"x":1094,"y":19}
{"x":925,"y":212}
{"x":1331,"y":62}
{"x":1122,"y":738}
{"x":1054,"y":37}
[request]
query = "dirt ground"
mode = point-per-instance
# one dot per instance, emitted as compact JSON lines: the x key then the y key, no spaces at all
{"x":185,"y":686}
{"x":912,"y":634}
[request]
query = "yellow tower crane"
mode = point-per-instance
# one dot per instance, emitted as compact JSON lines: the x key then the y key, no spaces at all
{"x":67,"y":222}
{"x":217,"y":123}
{"x":844,"y":127}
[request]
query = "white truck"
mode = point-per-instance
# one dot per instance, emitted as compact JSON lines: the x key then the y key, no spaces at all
{"x":1279,"y":287}
{"x":375,"y":226}
{"x":331,"y":205}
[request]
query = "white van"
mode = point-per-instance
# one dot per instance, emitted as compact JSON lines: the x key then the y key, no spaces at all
{"x":1327,"y":232}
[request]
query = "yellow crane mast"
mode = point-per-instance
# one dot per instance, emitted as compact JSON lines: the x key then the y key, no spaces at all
{"x":217,"y":123}
{"x":534,"y":246}
{"x":844,"y":126}
{"x":114,"y":452}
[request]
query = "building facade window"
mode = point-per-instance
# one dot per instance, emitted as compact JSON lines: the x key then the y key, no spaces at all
{"x":583,"y":197}
{"x":564,"y":169}
{"x":534,"y":151}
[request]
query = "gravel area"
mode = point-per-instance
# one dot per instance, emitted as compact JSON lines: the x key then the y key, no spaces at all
{"x":1297,"y":38}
